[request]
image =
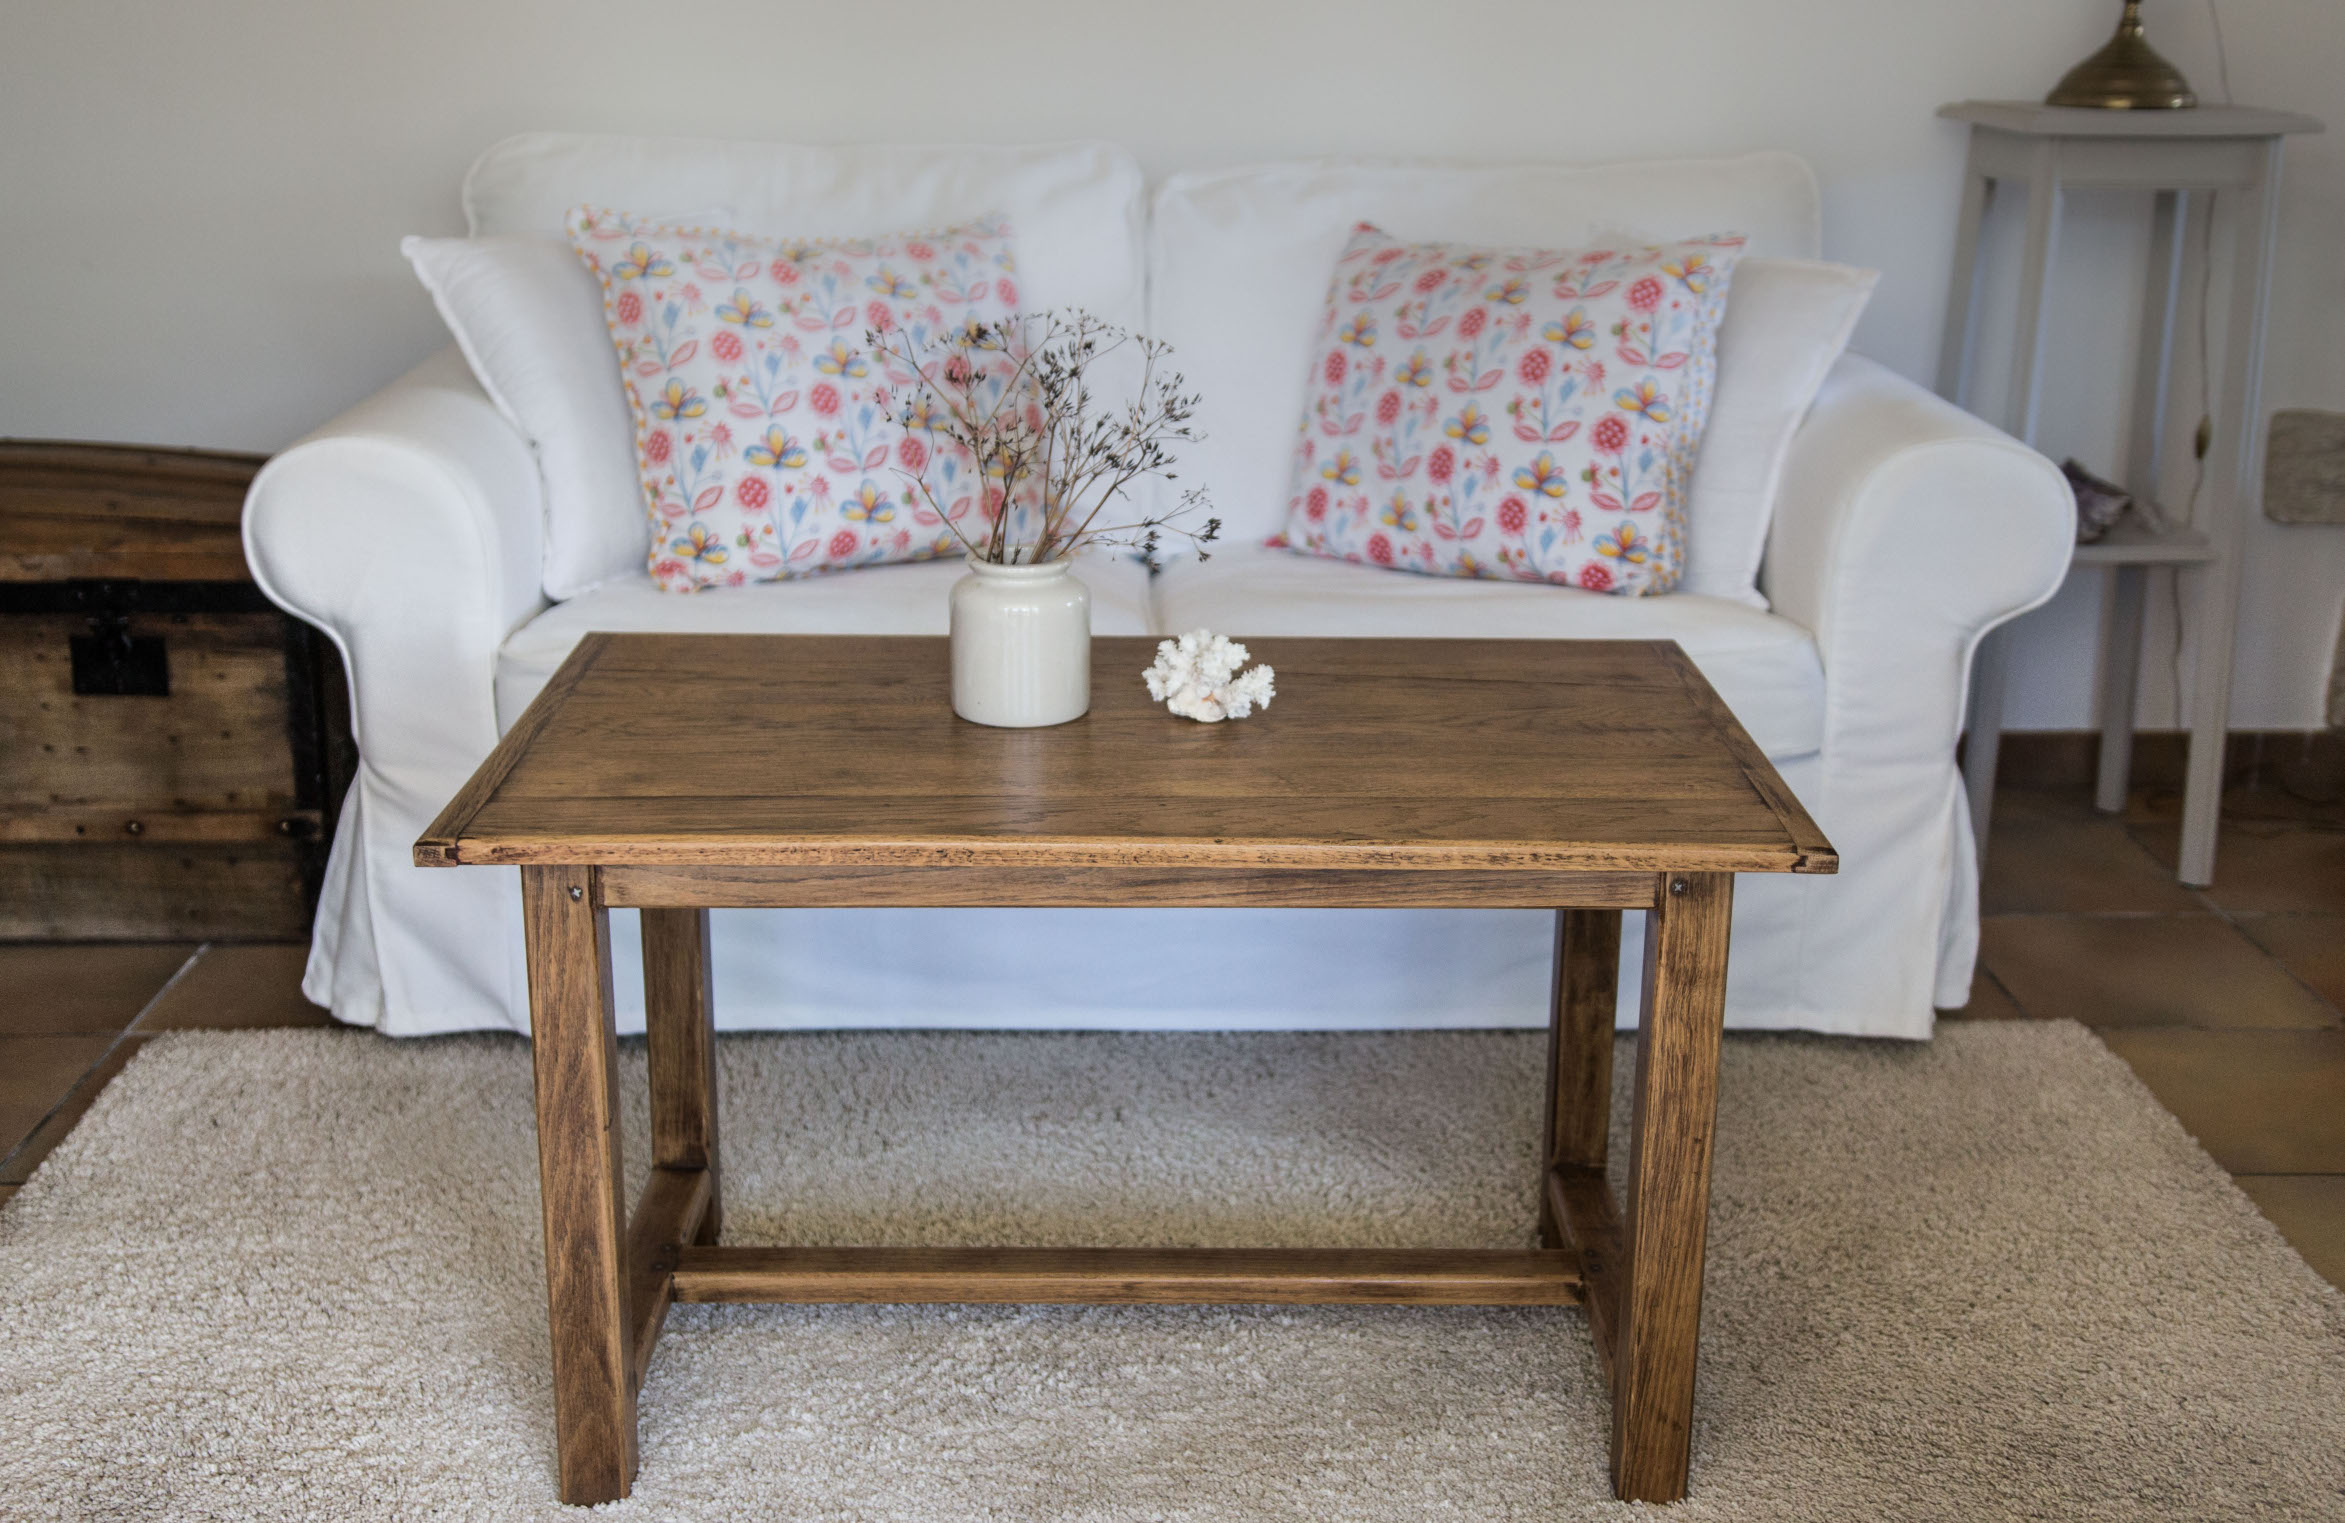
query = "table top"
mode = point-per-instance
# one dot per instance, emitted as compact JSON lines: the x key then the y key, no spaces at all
{"x":806,"y":751}
{"x":2035,"y":119}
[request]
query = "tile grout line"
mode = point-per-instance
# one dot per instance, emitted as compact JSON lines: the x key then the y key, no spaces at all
{"x":2208,"y":907}
{"x":1997,"y":980}
{"x":2231,"y":919}
{"x":120,"y":1037}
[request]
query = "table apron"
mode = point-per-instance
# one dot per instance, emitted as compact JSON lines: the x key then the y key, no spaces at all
{"x":971,"y":886}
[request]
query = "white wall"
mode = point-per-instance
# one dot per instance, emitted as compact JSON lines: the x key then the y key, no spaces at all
{"x":201,"y":201}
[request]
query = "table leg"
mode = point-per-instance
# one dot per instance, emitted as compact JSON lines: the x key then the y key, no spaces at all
{"x":1668,"y":1202}
{"x":1579,"y":1052}
{"x":575,"y":1053}
{"x":680,"y":1033}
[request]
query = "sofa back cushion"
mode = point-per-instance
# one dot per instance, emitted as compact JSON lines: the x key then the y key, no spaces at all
{"x":1239,"y":261}
{"x":1076,"y":211}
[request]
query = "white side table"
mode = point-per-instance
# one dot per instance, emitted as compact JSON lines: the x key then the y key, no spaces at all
{"x":2186,"y":157}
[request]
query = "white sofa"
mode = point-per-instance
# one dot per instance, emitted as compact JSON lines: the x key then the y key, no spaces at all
{"x":412,"y":530}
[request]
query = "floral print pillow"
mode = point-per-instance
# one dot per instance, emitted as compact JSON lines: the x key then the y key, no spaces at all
{"x":763,"y":432}
{"x":1513,"y":413}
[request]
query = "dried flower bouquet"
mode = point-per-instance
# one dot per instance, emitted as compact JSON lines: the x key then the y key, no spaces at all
{"x":1005,"y":423}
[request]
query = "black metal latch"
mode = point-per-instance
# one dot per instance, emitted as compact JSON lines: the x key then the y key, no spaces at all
{"x":110,"y":660}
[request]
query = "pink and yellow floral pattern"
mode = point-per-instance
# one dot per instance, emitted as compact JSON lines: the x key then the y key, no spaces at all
{"x":762,"y":425}
{"x":1512,"y":413}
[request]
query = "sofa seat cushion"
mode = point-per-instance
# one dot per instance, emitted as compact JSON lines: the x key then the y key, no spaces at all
{"x":1765,"y":666}
{"x":907,"y":599}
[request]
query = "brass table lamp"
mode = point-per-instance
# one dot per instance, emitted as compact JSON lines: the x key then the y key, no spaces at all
{"x":2126,"y":75}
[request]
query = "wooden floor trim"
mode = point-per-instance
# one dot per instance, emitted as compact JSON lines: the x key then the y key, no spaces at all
{"x":1132,"y":1276}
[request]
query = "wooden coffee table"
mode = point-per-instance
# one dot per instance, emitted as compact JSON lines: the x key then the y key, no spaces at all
{"x":680,"y":773}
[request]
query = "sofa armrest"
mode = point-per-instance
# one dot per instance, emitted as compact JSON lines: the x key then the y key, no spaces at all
{"x":1906,"y":529}
{"x":410,"y":530}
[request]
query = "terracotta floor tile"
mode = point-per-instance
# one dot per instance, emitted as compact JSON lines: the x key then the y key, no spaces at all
{"x":2144,"y":970}
{"x":2309,"y":1210}
{"x":2312,"y":947}
{"x":82,"y":988}
{"x":1988,"y":1002}
{"x":17,"y":1167}
{"x":2051,"y":852}
{"x":238,"y":988}
{"x":2262,"y":1102}
{"x":2266,"y":865}
{"x":35,"y":1073}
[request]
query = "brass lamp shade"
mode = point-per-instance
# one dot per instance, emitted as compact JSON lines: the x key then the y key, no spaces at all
{"x":2125,"y":75}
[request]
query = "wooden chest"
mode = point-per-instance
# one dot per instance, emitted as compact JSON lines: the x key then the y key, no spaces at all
{"x":172,"y":747}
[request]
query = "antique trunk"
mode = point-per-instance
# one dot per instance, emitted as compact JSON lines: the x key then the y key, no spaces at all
{"x":172,"y":747}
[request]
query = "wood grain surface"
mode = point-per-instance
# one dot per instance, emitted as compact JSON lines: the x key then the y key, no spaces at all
{"x":681,"y":772}
{"x":680,"y":1035}
{"x":667,"y":1216}
{"x":1581,"y":1014}
{"x":71,"y":509}
{"x":1115,"y":887}
{"x":783,"y":750}
{"x":575,"y":1055}
{"x":1133,"y":1276}
{"x":1667,"y":1213}
{"x":1588,"y":1223}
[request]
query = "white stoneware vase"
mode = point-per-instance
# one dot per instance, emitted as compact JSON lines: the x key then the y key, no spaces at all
{"x":1021,"y":644}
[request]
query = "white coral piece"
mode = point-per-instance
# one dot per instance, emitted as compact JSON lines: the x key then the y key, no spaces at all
{"x":1197,"y":676}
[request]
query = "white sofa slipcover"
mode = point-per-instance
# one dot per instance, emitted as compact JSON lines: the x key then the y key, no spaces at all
{"x":409,"y":529}
{"x":1239,"y":261}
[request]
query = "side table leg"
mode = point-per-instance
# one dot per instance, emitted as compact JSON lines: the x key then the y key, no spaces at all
{"x":2234,"y":480}
{"x":2120,"y":676}
{"x":1579,"y":1051}
{"x":1955,"y":348}
{"x":575,"y":1053}
{"x":1668,"y":1204}
{"x":680,"y":1032}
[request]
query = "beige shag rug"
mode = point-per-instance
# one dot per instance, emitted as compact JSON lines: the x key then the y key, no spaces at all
{"x":296,"y":1275}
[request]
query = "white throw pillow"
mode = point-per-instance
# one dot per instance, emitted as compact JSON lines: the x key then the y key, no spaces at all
{"x":529,"y":318}
{"x":526,"y":313}
{"x":1238,"y":262}
{"x":1786,"y":321}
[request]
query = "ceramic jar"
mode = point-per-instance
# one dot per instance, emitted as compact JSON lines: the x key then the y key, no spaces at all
{"x":1021,"y":644}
